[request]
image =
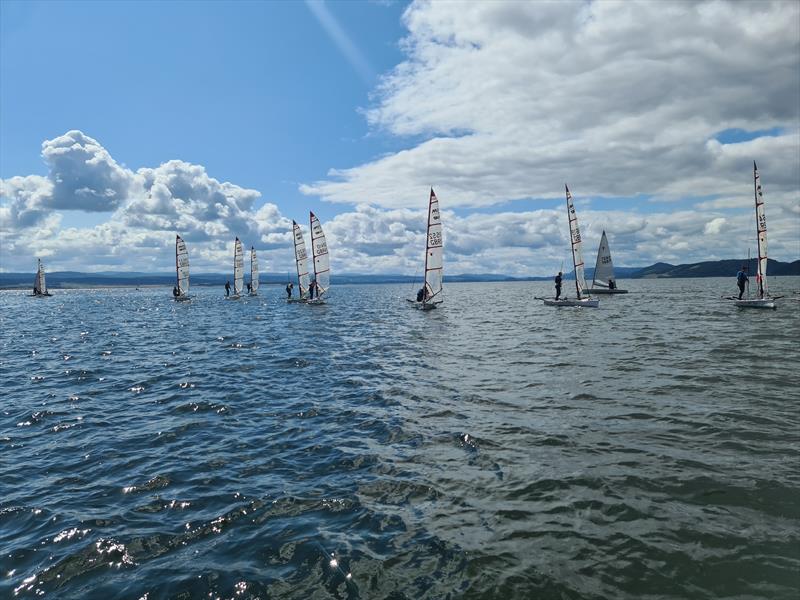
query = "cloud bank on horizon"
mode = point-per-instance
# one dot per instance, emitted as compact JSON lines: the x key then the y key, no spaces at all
{"x":652,"y":112}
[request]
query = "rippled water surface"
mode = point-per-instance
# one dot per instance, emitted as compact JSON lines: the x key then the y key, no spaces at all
{"x":495,"y":448}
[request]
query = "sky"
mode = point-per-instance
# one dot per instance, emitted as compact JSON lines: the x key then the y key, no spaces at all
{"x":123,"y":124}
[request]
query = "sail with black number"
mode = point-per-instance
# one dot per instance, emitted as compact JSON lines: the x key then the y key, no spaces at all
{"x":603,"y":281}
{"x":762,"y":299}
{"x":238,"y":268}
{"x":431,"y":294}
{"x":300,"y":260}
{"x":181,"y":268}
{"x":322,"y":264}
{"x":253,"y":271}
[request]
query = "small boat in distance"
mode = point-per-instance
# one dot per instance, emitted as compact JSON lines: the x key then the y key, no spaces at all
{"x":762,"y":299}
{"x":253,"y":272}
{"x":181,"y":270}
{"x":603,"y":281}
{"x":431,"y":294}
{"x":300,"y":261}
{"x":322,"y":262}
{"x":582,"y":297}
{"x":238,"y":270}
{"x":39,"y":282}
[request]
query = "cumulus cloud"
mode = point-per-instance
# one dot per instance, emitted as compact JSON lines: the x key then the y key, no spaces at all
{"x":511,"y":99}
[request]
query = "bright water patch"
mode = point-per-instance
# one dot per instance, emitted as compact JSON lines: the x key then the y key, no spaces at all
{"x":494,"y":448}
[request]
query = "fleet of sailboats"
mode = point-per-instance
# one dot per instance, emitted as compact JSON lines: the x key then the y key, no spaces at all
{"x":39,"y":282}
{"x":762,"y":299}
{"x":603,"y":280}
{"x":431,"y":295}
{"x":582,"y":297}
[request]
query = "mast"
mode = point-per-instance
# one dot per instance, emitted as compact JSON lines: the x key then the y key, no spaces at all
{"x":761,"y":234}
{"x":575,"y":240}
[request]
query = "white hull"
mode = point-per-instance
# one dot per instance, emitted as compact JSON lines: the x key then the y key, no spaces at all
{"x":755,"y":303}
{"x":572,"y":302}
{"x":181,"y":298}
{"x":423,"y":305}
{"x":606,"y":291}
{"x":316,"y":301}
{"x":233,"y":297}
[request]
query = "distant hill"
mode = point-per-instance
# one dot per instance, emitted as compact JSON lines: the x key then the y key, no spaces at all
{"x":716,"y":268}
{"x":74,"y":279}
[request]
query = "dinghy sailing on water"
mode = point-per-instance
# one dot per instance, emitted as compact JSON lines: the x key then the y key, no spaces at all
{"x":603,"y":281}
{"x":582,"y":297}
{"x":253,"y":272}
{"x":762,"y":299}
{"x":322,"y":263}
{"x":39,"y":283}
{"x":300,"y":261}
{"x":431,"y":295}
{"x":238,"y":271}
{"x":181,"y":291}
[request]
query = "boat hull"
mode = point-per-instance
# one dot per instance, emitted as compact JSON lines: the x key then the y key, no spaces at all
{"x":768,"y":303}
{"x":573,"y":302}
{"x":233,"y":297}
{"x":181,"y":298}
{"x":296,"y":300}
{"x":316,"y":301}
{"x":606,"y":291}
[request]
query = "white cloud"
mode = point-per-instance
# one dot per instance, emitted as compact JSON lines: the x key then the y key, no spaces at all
{"x":618,"y":98}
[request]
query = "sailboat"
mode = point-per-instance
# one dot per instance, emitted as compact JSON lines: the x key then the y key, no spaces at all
{"x":181,"y":269}
{"x":253,"y":272}
{"x":39,"y":283}
{"x":300,"y":261}
{"x":432,"y":291}
{"x":238,"y":270}
{"x":762,"y":299}
{"x":322,"y":262}
{"x":582,"y":297}
{"x":603,"y":281}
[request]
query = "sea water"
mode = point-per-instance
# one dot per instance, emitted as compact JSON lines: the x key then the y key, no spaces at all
{"x":493,"y":448}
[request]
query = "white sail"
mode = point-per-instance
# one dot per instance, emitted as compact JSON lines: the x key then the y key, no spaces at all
{"x":181,"y":266}
{"x":577,"y":256}
{"x":253,"y":270}
{"x":761,"y":232}
{"x":434,"y":253}
{"x":238,"y":268}
{"x":300,"y":259}
{"x":39,"y":284}
{"x":322,"y":263}
{"x":604,"y":267}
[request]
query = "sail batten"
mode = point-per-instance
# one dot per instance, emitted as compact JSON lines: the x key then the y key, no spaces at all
{"x":319,"y":249}
{"x":253,"y":270}
{"x":181,"y":266}
{"x":238,"y":267}
{"x":300,"y":257}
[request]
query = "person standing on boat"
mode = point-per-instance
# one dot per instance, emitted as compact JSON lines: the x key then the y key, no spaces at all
{"x":227,"y":288}
{"x":611,"y":284}
{"x":249,"y":288}
{"x":421,"y":295}
{"x":289,"y":289}
{"x":312,"y":287}
{"x":741,"y":280}
{"x":175,"y":291}
{"x":558,"y":285}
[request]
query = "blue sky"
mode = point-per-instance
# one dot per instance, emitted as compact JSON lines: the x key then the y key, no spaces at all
{"x":126,"y":122}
